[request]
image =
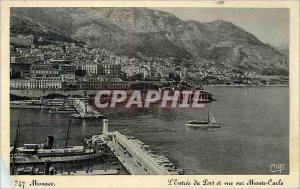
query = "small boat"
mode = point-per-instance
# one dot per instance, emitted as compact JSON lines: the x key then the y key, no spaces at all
{"x":91,"y":172}
{"x":57,"y":103}
{"x":62,"y":110}
{"x":209,"y":123}
{"x":176,"y":171}
{"x":87,"y":116}
{"x":26,"y":104}
{"x":28,"y":171}
{"x":113,"y":162}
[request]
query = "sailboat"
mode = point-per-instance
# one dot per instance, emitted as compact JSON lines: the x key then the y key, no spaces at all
{"x":210,"y":122}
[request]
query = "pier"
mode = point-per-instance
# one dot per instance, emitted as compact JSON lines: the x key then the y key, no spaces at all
{"x":83,"y":107}
{"x":134,"y":155}
{"x":85,"y":110}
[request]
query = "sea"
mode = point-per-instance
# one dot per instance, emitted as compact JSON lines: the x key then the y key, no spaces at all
{"x":254,"y":132}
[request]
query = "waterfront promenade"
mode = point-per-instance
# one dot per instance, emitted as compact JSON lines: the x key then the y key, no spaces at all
{"x":135,"y":159}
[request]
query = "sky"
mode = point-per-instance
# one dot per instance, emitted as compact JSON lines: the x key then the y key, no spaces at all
{"x":269,"y":25}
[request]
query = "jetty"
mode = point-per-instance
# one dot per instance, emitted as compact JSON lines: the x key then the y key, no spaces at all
{"x":136,"y":157}
{"x":85,"y":110}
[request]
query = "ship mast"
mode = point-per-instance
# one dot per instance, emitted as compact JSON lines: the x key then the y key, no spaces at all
{"x":85,"y":103}
{"x":14,"y":147}
{"x":88,"y":169}
{"x":207,"y":114}
{"x":67,"y":137}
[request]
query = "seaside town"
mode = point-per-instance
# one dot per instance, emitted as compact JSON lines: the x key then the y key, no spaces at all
{"x":57,"y":81}
{"x":75,"y":66}
{"x":62,"y":67}
{"x":71,"y":67}
{"x":91,"y":96}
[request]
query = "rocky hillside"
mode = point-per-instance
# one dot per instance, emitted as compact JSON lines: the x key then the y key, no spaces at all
{"x":153,"y":33}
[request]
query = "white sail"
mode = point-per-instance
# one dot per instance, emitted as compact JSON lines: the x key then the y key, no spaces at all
{"x":212,"y":119}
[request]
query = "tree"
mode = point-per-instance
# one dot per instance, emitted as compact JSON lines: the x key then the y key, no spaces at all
{"x":123,"y":76}
{"x":138,"y":77}
{"x":15,"y":74}
{"x":175,"y":77}
{"x":80,"y":72}
{"x":56,"y":66}
{"x":171,"y":75}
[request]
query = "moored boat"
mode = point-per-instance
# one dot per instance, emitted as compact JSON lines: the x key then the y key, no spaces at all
{"x":26,"y":104}
{"x":62,"y":110}
{"x":87,"y":116}
{"x":91,"y":172}
{"x":40,"y":153}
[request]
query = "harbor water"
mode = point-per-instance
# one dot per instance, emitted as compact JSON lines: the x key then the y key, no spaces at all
{"x":254,"y":131}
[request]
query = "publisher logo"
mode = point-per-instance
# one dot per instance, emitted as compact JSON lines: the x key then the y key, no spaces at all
{"x":277,"y":168}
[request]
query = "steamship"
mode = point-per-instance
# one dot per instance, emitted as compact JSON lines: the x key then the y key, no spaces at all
{"x":204,"y":96}
{"x":40,"y":153}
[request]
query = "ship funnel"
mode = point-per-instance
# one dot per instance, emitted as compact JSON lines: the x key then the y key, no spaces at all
{"x":105,"y":125}
{"x":47,"y":167}
{"x":50,"y":140}
{"x":51,"y":171}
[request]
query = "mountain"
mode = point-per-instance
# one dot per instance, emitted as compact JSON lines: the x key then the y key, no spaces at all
{"x":153,"y":33}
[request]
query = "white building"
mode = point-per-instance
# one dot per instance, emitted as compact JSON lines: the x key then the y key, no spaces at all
{"x":35,"y":84}
{"x":90,"y":68}
{"x":67,"y":77}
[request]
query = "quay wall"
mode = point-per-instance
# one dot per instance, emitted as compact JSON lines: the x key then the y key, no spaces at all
{"x":37,"y":93}
{"x":146,"y":161}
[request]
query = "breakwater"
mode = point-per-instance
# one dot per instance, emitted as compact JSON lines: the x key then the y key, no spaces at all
{"x":37,"y":93}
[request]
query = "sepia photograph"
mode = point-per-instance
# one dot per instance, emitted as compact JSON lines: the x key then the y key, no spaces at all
{"x":140,"y":94}
{"x":149,"y":91}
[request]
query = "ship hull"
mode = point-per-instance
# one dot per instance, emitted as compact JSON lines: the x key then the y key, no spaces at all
{"x":77,"y":116}
{"x":94,"y":172}
{"x":61,"y":112}
{"x":202,"y":125}
{"x":22,"y":159}
{"x":25,"y":106}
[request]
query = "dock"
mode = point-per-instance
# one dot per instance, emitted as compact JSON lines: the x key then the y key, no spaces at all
{"x":85,"y":110}
{"x":136,"y":157}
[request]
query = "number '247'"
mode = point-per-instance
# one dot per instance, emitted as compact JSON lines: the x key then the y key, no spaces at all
{"x":19,"y":184}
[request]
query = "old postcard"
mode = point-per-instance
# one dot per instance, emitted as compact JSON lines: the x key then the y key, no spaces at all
{"x":139,"y":94}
